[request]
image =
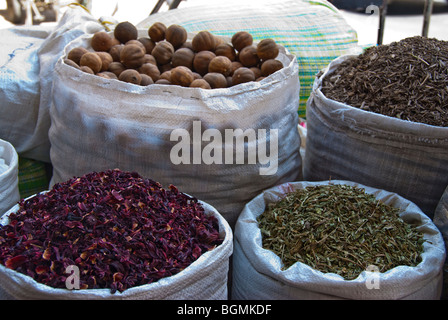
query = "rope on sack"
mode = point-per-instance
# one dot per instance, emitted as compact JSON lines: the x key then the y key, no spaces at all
{"x":104,"y":23}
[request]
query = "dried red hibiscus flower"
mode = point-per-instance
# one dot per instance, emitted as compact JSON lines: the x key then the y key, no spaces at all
{"x":119,"y":229}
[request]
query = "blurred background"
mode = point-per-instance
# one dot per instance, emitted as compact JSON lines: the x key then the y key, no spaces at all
{"x":404,"y":18}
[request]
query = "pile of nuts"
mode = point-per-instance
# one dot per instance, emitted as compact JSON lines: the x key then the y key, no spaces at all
{"x":166,"y":57}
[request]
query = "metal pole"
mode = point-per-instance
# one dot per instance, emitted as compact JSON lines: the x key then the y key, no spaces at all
{"x":427,"y":17}
{"x":383,"y":13}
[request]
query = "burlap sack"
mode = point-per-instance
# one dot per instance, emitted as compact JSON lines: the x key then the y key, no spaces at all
{"x":400,"y":156}
{"x":257,"y":272}
{"x":204,"y":279}
{"x":100,"y":124}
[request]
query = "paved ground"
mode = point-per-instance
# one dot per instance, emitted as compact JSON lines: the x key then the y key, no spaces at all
{"x":404,"y":17}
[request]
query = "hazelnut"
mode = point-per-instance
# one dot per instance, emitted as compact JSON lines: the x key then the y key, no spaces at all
{"x":106,"y":60}
{"x":157,"y":32}
{"x":71,"y":63}
{"x":131,"y":76}
{"x":163,"y":52}
{"x":241,"y":39}
{"x":147,"y":43}
{"x":91,"y":60}
{"x":125,"y":31}
{"x":146,"y":80}
{"x":270,"y":66}
{"x":176,"y":35}
{"x":202,"y":60}
{"x":183,"y":57}
{"x":248,"y":56}
{"x":216,"y":80}
{"x":267,"y":49}
{"x":242,"y":75}
{"x":220,"y":64}
{"x":116,"y":68}
{"x":203,"y":41}
{"x":75,"y":54}
{"x":226,"y":50}
{"x":101,"y":41}
{"x":132,"y":55}
{"x":182,"y":76}
{"x":200,"y":83}
{"x":115,"y":51}
{"x":150,"y":70}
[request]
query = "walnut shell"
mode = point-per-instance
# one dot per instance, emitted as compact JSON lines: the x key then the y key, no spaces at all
{"x":248,"y":56}
{"x":270,"y":66}
{"x":241,"y":39}
{"x":91,"y":60}
{"x":216,"y":80}
{"x":132,"y":56}
{"x":75,"y":54}
{"x":101,"y":41}
{"x":163,"y":52}
{"x":242,"y":75}
{"x":182,"y":76}
{"x":125,"y":31}
{"x":183,"y":57}
{"x":150,"y":70}
{"x":203,"y":41}
{"x":131,"y":76}
{"x":200,"y":83}
{"x":202,"y":60}
{"x":157,"y":32}
{"x":220,"y":64}
{"x":176,"y":35}
{"x":267,"y":49}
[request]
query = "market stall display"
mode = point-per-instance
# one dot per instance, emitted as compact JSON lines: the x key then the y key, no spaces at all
{"x":320,"y":240}
{"x":128,"y":237}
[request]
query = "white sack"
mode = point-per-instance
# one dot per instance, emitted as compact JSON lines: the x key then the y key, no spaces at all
{"x":9,"y":176}
{"x":204,"y":279}
{"x":100,"y":124}
{"x":20,"y":90}
{"x":257,"y":272}
{"x":400,"y":156}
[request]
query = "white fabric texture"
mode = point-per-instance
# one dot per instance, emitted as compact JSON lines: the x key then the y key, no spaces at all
{"x":400,"y":156}
{"x":20,"y":120}
{"x":257,"y":272}
{"x":104,"y":124}
{"x":9,"y":178}
{"x":204,"y":279}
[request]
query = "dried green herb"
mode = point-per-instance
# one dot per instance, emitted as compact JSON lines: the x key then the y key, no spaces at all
{"x":406,"y":79}
{"x":339,"y":229}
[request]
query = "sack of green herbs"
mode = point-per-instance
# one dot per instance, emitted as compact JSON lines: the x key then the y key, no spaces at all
{"x":335,"y":240}
{"x":381,"y":119}
{"x":114,"y":235}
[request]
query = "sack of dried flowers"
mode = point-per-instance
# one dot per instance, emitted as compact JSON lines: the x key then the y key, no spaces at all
{"x":114,"y":235}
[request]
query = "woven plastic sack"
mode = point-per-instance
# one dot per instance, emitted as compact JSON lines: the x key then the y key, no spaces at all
{"x":441,"y":221}
{"x":257,"y":271}
{"x":9,"y":172}
{"x":106,"y":124}
{"x":400,"y":156}
{"x":314,"y":31}
{"x":20,"y":119}
{"x":204,"y":279}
